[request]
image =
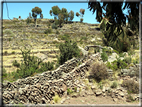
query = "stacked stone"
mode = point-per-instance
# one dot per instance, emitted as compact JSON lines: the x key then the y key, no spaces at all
{"x":37,"y":91}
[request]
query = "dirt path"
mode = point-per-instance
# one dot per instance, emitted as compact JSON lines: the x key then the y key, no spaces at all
{"x":96,"y":100}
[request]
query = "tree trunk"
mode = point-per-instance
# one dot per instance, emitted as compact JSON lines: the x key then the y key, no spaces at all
{"x":35,"y":22}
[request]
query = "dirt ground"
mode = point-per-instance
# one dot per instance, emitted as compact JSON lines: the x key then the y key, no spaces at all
{"x":96,"y":100}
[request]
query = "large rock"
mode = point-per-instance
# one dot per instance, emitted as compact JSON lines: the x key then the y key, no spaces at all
{"x":98,"y":92}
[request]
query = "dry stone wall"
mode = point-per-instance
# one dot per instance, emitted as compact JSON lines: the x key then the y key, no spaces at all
{"x":40,"y":89}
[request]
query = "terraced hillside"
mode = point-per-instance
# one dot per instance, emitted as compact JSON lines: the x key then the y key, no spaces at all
{"x":17,"y":34}
{"x":98,"y":73}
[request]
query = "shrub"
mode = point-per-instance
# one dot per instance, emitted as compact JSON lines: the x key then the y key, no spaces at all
{"x":121,"y":64}
{"x":28,"y":20}
{"x":104,"y":56}
{"x":131,"y":86}
{"x":54,"y":26}
{"x":56,"y":98}
{"x":99,"y":71}
{"x":65,"y":37}
{"x":57,"y":32}
{"x":8,"y":32}
{"x":96,"y":50}
{"x":68,"y":50}
{"x":114,"y":85}
{"x":129,"y":98}
{"x":48,"y":31}
{"x":127,"y":60}
{"x":4,"y":74}
{"x":13,"y":52}
{"x":15,"y":63}
{"x":5,"y":52}
{"x":30,"y":65}
{"x":69,"y":91}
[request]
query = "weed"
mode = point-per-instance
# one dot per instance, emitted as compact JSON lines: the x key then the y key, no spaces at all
{"x":104,"y":56}
{"x":56,"y":98}
{"x":127,"y":60}
{"x":129,"y":98}
{"x":57,"y":32}
{"x":69,"y":91}
{"x":99,"y":71}
{"x":5,"y":52}
{"x":13,"y":52}
{"x":114,"y":85}
{"x":48,"y":31}
{"x":15,"y":63}
{"x":131,"y":86}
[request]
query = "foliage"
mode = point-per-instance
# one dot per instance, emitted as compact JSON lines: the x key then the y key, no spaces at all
{"x":129,"y":98}
{"x":16,"y":64}
{"x":61,"y":19}
{"x":68,"y":50}
{"x":4,"y":74}
{"x":54,"y":26}
{"x":55,"y":11}
{"x":113,"y":21}
{"x":48,"y":31}
{"x":114,"y":85}
{"x":120,"y":63}
{"x":69,"y":91}
{"x":104,"y":56}
{"x":31,"y":65}
{"x":28,"y":20}
{"x":99,"y":71}
{"x":71,"y":15}
{"x":82,"y":11}
{"x":57,"y":32}
{"x":36,"y":11}
{"x":131,"y":86}
{"x":127,"y":60}
{"x":64,"y":37}
{"x":5,"y":52}
{"x":56,"y":98}
{"x":7,"y":32}
{"x":13,"y":52}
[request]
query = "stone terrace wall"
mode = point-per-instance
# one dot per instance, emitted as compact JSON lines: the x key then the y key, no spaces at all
{"x":41,"y":89}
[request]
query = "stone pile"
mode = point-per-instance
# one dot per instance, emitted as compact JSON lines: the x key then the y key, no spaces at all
{"x":40,"y":90}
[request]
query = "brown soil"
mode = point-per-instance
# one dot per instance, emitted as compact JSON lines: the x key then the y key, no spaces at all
{"x":96,"y":100}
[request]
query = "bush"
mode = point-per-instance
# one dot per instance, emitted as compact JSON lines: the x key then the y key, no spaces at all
{"x":114,"y":85}
{"x":129,"y":98}
{"x":31,"y":65}
{"x":16,"y":64}
{"x":7,"y":32}
{"x":121,"y":64}
{"x":131,"y":86}
{"x":48,"y":31}
{"x":68,"y":50}
{"x":104,"y":56}
{"x":54,"y":26}
{"x":56,"y":98}
{"x":57,"y":32}
{"x":5,"y":52}
{"x":28,"y":20}
{"x":65,"y":37}
{"x":99,"y":71}
{"x":4,"y":74}
{"x":13,"y":52}
{"x":127,"y":60}
{"x":69,"y":91}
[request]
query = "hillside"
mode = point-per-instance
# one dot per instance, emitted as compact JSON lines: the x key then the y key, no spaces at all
{"x":75,"y":80}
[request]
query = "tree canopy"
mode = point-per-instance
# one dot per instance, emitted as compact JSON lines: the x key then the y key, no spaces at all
{"x":36,"y":11}
{"x":113,"y":19}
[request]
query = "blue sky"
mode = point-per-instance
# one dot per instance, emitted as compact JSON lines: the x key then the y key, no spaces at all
{"x":23,"y":9}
